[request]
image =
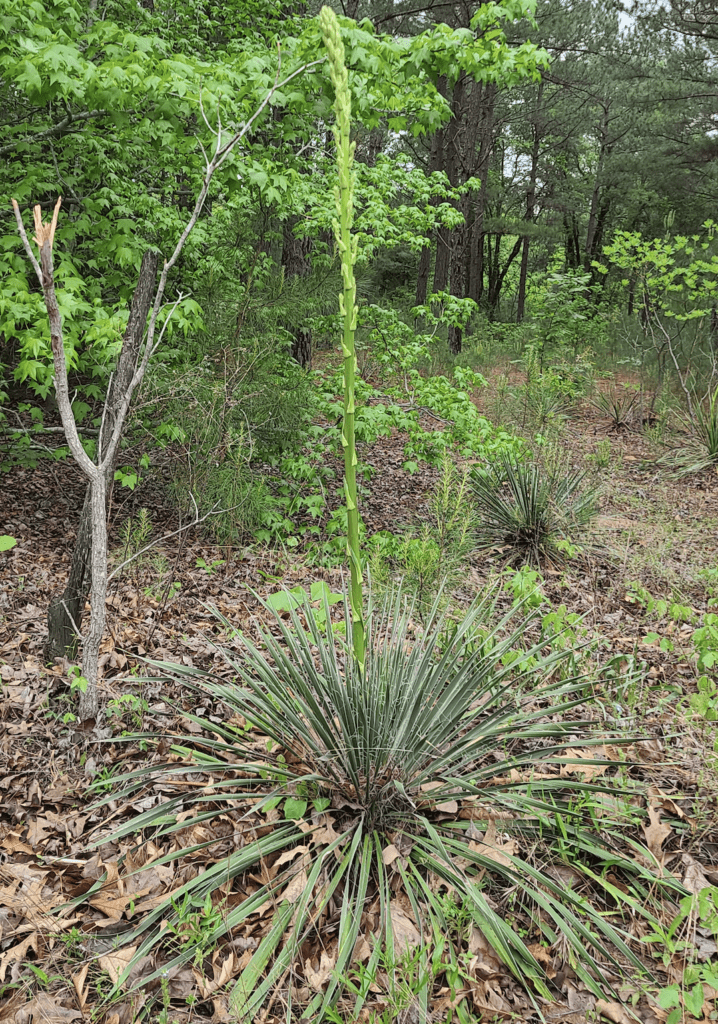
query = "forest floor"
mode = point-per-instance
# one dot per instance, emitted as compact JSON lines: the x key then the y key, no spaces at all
{"x":652,"y":529}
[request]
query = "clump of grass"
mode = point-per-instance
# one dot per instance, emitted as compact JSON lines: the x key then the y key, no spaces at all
{"x":532,"y":511}
{"x":601,"y":457}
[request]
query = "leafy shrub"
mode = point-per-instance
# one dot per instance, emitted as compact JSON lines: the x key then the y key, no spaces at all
{"x":561,"y":311}
{"x":438,"y":729}
{"x":429,"y":561}
{"x":530,"y":509}
{"x":465,"y":430}
{"x":218,"y":422}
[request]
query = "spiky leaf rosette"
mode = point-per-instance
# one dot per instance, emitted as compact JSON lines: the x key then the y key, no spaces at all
{"x":441,"y":740}
{"x":700,"y":449}
{"x":528,"y":508}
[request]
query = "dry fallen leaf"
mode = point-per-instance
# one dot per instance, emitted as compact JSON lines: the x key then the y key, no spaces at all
{"x":116,"y":962}
{"x":44,"y":1009}
{"x":448,"y":806}
{"x":492,"y":849}
{"x":656,"y":833}
{"x":17,"y":954}
{"x":694,"y":879}
{"x":13,"y":844}
{"x":8,"y":1007}
{"x":78,"y":980}
{"x":389,"y":854}
{"x":318,"y":979}
{"x":615,"y":1012}
{"x":296,"y":887}
{"x":112,"y":906}
{"x":486,"y":996}
{"x":404,"y":929}
{"x":588,"y":772}
{"x":544,"y":957}
{"x":220,"y":1006}
{"x":485,"y":962}
{"x":223,"y":973}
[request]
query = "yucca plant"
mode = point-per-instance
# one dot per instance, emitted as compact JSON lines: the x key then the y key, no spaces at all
{"x":345,"y":771}
{"x":528,"y":509}
{"x":396,"y":776}
{"x":618,"y":405}
{"x":700,"y":449}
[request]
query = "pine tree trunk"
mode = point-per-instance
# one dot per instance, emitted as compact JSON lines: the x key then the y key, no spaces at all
{"x":65,"y":612}
{"x":295,"y":260}
{"x":530,"y":204}
{"x":422,"y":276}
{"x":443,"y":257}
{"x":302,"y":348}
{"x":482,"y":106}
{"x":436,"y":163}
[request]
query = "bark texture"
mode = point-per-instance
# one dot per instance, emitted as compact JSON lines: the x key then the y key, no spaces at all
{"x":296,"y":263}
{"x":65,"y":611}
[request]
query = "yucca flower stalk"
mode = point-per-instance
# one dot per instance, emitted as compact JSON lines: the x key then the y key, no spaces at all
{"x":344,"y":199}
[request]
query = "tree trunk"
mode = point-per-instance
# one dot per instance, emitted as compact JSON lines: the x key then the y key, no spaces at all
{"x":436,"y":163}
{"x":601,"y":219}
{"x":65,"y":611}
{"x":302,"y":347}
{"x":446,"y":237}
{"x":631,"y":294}
{"x":498,"y":276}
{"x":596,"y":201}
{"x":530,"y":212}
{"x":482,"y":118}
{"x":456,"y":282}
{"x":88,"y":705}
{"x":443,"y":257}
{"x":295,"y":260}
{"x":573,"y":248}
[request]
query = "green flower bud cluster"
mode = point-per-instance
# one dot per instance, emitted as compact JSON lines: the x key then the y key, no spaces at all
{"x":347,"y":246}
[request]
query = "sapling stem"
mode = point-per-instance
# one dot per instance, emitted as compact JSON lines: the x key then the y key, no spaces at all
{"x":344,"y":198}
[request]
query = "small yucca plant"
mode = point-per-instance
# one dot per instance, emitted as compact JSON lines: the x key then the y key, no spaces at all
{"x":700,"y":450}
{"x":618,"y":404}
{"x":396,"y":776}
{"x":528,"y":509}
